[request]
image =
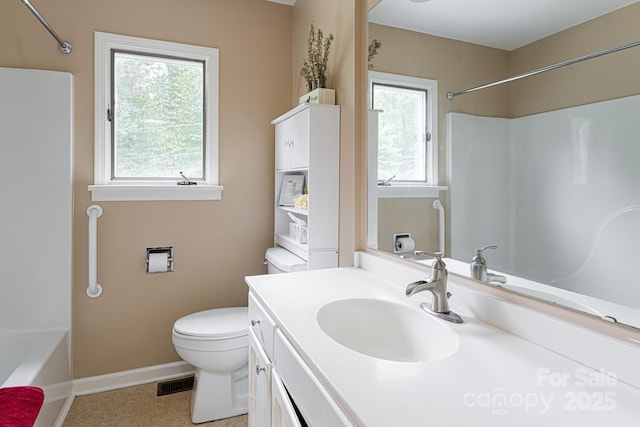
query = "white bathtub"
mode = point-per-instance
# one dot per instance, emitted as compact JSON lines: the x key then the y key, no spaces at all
{"x":39,"y":358}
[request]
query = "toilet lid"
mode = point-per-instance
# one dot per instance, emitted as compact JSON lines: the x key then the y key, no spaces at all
{"x":217,"y":323}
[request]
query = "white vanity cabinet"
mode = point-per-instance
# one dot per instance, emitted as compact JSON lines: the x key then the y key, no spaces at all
{"x":278,"y":376}
{"x":307,"y":143}
{"x":261,"y":334}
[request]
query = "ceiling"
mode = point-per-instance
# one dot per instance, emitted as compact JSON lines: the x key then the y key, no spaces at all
{"x":503,"y":24}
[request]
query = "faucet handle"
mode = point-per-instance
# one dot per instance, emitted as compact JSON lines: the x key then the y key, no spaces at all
{"x":478,"y":258}
{"x":436,"y":255}
{"x":438,"y":263}
{"x":484,"y":248}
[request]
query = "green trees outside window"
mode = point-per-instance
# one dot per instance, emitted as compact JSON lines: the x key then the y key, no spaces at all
{"x":402,"y":132}
{"x":158,"y":117}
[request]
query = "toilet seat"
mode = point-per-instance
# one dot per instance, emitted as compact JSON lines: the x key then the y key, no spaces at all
{"x":216,"y":324}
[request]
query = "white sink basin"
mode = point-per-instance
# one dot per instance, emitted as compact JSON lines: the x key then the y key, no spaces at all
{"x":387,"y":330}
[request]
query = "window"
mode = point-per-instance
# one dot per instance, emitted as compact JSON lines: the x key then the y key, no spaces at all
{"x":156,"y":116}
{"x":407,"y":129}
{"x":156,"y":119}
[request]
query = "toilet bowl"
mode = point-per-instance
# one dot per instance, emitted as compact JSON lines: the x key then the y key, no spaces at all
{"x":216,"y":343}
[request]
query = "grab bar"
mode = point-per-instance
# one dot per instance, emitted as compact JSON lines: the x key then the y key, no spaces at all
{"x":94,"y":290}
{"x":438,"y":205}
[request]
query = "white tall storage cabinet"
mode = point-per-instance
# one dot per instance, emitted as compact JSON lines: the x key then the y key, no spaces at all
{"x":307,"y":143}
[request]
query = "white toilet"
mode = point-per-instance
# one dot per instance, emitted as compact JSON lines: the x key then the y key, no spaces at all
{"x":216,"y":343}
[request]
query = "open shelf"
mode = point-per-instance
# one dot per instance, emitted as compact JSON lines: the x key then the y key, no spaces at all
{"x":303,"y":212}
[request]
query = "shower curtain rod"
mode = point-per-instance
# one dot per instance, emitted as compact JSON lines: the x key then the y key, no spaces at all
{"x":451,"y":95}
{"x":64,"y":47}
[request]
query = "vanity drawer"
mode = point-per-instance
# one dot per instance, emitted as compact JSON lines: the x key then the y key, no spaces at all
{"x":313,"y":401}
{"x":261,"y":325}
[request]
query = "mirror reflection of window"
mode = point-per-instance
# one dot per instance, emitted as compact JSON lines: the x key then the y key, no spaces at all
{"x":405,"y":153}
{"x":402,"y":132}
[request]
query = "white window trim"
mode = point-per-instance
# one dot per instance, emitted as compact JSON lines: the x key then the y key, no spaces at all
{"x":399,"y":189}
{"x":104,"y":189}
{"x":407,"y":191}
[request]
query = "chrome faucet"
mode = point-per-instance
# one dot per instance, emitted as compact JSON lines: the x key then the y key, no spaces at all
{"x":437,"y":285}
{"x":479,"y":268}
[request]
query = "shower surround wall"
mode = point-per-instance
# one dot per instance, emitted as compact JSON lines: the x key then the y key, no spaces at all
{"x":36,"y":193}
{"x":556,"y":191}
{"x":35,"y":235}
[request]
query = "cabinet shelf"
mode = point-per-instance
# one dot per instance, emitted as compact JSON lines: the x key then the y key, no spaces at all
{"x":303,"y":212}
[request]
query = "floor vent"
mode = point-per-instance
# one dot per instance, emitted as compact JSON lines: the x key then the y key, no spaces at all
{"x":175,"y":386}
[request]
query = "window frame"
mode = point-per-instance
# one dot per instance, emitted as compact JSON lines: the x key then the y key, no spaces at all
{"x":430,"y":187}
{"x":105,"y":188}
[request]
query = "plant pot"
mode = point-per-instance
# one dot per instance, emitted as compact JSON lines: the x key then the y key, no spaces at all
{"x":319,"y":96}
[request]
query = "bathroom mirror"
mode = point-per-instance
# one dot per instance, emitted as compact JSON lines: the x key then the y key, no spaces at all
{"x":546,"y":167}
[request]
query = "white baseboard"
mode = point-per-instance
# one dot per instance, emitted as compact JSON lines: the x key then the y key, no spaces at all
{"x":100,"y":383}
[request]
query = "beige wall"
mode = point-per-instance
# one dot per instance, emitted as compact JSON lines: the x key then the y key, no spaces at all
{"x":337,"y":17}
{"x":416,"y":216}
{"x":608,"y":77}
{"x":216,"y":243}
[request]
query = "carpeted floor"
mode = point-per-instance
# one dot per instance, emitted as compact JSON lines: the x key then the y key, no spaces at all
{"x":138,"y":407}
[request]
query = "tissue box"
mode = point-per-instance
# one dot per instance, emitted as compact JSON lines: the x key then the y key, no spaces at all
{"x":298,"y":232}
{"x":301,"y":234}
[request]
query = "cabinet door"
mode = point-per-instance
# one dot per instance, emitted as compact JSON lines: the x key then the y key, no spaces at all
{"x":283,"y":146}
{"x":259,"y":385}
{"x":282,"y":412}
{"x":300,"y":139}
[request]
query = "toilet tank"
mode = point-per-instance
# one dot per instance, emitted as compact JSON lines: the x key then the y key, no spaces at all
{"x":280,"y":260}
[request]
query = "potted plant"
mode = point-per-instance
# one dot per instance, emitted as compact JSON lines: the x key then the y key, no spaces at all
{"x":373,"y":51}
{"x":314,"y":68}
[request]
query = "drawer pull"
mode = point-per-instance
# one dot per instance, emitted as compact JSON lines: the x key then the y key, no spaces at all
{"x":255,"y":322}
{"x":259,"y":369}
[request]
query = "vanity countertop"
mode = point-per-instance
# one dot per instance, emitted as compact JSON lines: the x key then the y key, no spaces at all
{"x":495,"y":378}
